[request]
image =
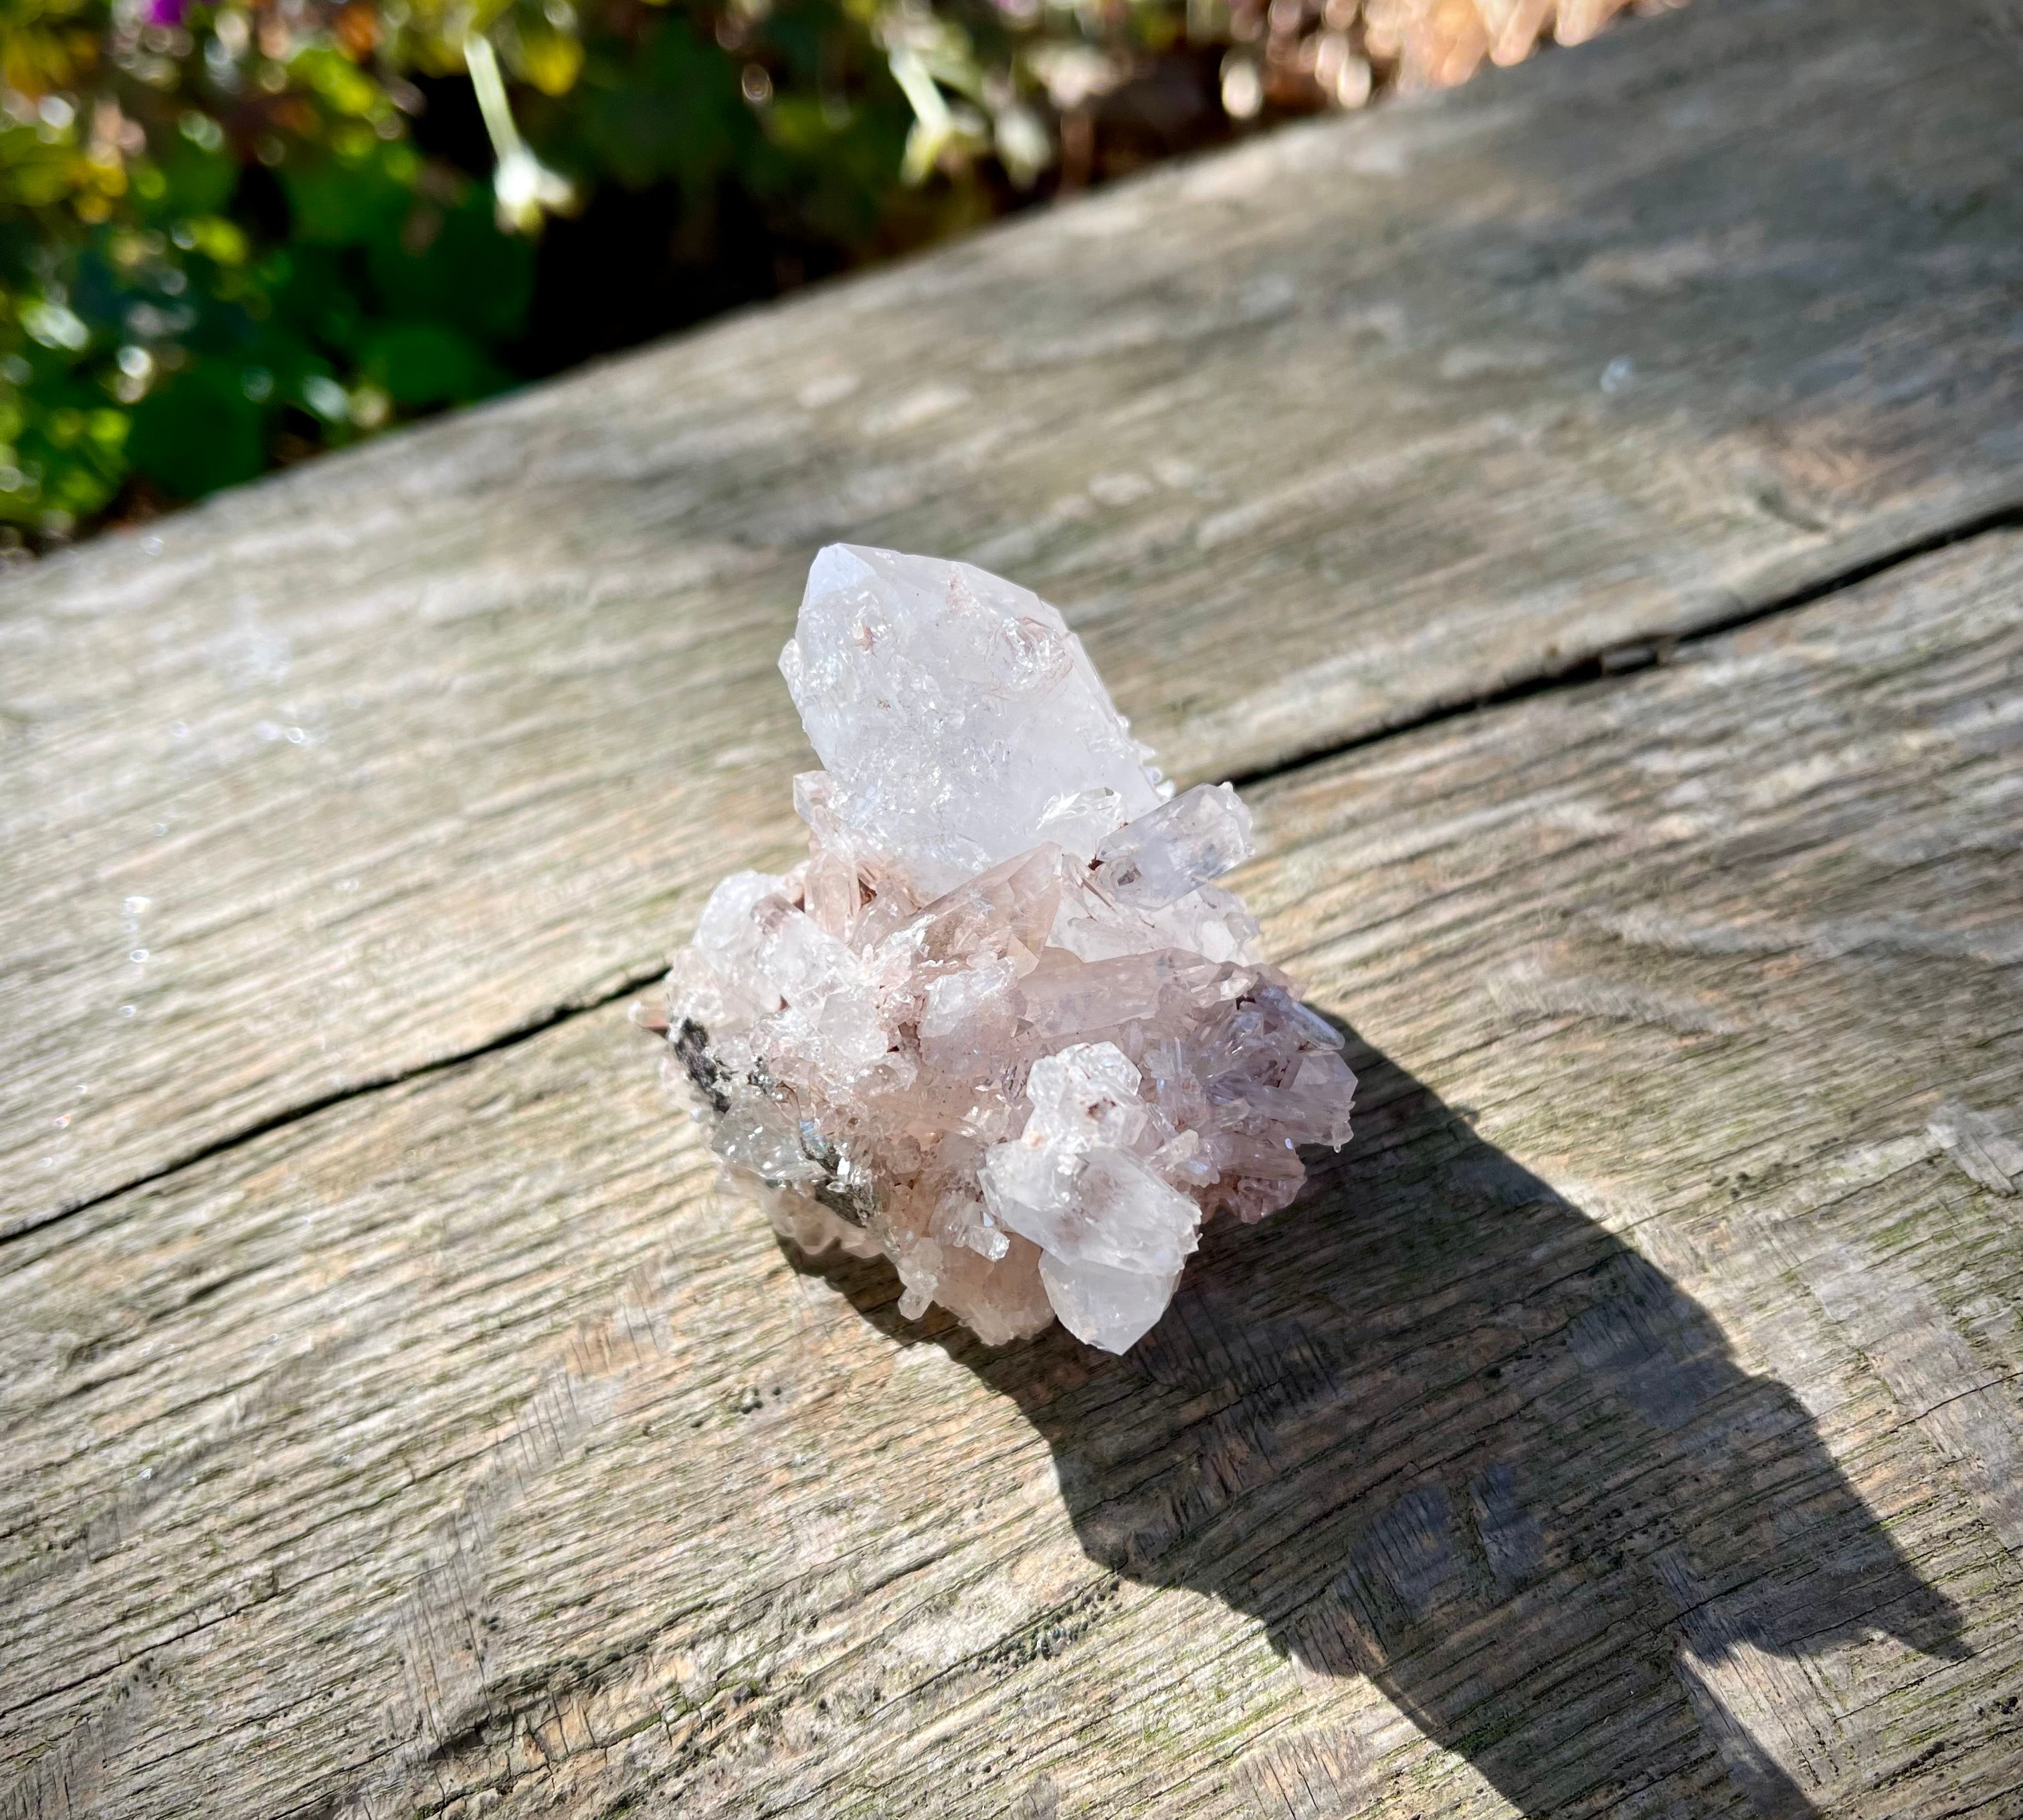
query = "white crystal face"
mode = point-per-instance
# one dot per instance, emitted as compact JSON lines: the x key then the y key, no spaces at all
{"x":958,"y":718}
{"x":1000,"y":1025}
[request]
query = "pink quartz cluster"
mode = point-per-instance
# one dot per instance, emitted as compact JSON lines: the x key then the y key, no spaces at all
{"x":1000,"y":1025}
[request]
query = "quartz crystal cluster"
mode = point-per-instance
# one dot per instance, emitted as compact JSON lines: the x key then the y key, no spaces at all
{"x":1000,"y":1025}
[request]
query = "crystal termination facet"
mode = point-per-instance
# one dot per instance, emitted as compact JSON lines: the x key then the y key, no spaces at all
{"x":1000,"y":1025}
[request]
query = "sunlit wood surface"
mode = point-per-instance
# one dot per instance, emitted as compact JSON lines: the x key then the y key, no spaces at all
{"x":395,"y":1417}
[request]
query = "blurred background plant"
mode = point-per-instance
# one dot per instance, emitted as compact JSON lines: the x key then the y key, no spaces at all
{"x":234,"y":234}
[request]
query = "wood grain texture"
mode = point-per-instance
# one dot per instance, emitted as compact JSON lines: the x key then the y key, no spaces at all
{"x":403,"y":752}
{"x":1626,"y":1423}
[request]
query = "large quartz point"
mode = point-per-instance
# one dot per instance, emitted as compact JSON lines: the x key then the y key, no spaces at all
{"x":1000,"y":1025}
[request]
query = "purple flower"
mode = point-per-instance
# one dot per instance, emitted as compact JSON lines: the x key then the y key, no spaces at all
{"x":166,"y":12}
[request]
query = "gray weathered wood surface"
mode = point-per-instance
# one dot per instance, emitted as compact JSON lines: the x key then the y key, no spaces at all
{"x":404,"y":751}
{"x":1629,"y":1423}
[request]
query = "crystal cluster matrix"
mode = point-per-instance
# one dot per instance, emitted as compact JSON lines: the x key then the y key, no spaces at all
{"x":1000,"y":1025}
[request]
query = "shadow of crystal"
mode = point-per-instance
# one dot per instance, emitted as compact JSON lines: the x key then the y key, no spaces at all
{"x":1436,"y":1426}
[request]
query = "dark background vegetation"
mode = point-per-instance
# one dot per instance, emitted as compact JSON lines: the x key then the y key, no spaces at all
{"x":233,"y":235}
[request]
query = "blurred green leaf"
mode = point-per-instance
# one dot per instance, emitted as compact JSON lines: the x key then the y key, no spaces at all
{"x":198,"y":432}
{"x":422,"y":364}
{"x":195,"y":181}
{"x":452,"y":265}
{"x":340,"y":203}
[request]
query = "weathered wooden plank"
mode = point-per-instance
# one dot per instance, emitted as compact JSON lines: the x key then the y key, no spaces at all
{"x":1626,"y":1423}
{"x":401,"y":752}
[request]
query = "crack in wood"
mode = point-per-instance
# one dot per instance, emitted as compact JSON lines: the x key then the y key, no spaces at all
{"x":552,"y":1019}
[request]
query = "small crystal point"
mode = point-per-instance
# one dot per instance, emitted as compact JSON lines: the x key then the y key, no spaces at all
{"x":1000,"y":1025}
{"x":1176,"y":849}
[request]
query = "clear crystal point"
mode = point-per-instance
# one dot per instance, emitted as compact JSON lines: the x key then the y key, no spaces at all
{"x":958,"y":718}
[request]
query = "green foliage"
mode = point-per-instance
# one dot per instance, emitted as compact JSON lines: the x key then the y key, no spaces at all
{"x":231,"y":234}
{"x":156,"y":320}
